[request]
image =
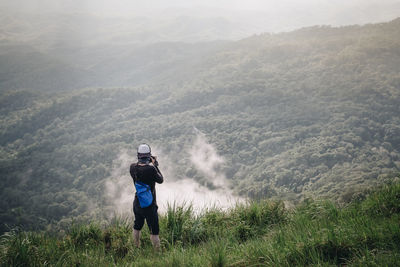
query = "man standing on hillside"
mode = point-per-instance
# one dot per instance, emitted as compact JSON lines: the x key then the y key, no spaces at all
{"x":145,"y":206}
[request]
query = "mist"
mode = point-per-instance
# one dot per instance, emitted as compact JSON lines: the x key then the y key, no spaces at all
{"x":177,"y":189}
{"x":195,"y":20}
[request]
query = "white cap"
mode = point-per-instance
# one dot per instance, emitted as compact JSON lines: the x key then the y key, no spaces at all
{"x":144,"y":149}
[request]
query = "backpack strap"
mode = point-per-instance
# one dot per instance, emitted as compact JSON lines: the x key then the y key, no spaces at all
{"x":135,"y":172}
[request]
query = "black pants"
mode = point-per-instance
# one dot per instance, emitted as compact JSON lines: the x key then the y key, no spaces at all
{"x":151,"y":216}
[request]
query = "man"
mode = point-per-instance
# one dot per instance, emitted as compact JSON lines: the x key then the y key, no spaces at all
{"x":145,"y":206}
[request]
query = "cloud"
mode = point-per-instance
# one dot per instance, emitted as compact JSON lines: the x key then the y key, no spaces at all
{"x":119,"y":189}
{"x":190,"y":192}
{"x":205,"y":159}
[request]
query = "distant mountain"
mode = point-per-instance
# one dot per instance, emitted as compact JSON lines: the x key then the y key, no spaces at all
{"x":77,"y":51}
{"x":65,"y":68}
{"x":24,"y":67}
{"x":84,"y":30}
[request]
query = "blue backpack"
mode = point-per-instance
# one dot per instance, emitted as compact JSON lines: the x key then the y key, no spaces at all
{"x":143,"y":192}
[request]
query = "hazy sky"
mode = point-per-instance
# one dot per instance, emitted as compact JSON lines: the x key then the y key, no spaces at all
{"x":272,"y":15}
{"x":126,"y":7}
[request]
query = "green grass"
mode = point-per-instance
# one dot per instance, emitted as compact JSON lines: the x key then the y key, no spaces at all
{"x":316,"y":232}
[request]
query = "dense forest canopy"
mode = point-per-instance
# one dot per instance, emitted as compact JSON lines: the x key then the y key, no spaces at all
{"x":309,"y":112}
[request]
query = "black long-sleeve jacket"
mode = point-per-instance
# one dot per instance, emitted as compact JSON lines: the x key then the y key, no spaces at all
{"x":147,"y":174}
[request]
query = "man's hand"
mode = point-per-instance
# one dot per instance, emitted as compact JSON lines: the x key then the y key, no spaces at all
{"x":154,"y":160}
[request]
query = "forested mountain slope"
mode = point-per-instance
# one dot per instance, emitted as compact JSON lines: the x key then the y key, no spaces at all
{"x":310,"y":112}
{"x":67,"y":67}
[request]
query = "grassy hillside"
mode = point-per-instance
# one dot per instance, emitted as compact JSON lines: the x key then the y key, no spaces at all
{"x":311,"y":112}
{"x":364,"y":232}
